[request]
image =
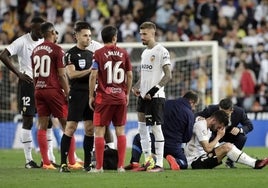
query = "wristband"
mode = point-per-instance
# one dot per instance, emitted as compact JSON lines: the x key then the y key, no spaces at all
{"x":153,"y":90}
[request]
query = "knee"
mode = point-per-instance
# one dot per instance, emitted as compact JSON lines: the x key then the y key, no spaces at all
{"x":226,"y":147}
{"x":27,"y":122}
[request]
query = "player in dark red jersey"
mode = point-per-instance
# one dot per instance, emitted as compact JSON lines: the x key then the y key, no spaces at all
{"x":113,"y":70}
{"x":51,"y":86}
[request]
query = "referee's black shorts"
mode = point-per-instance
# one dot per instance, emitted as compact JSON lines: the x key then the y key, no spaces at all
{"x":78,"y":107}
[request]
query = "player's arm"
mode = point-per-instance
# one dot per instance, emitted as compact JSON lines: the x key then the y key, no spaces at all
{"x":136,"y":88}
{"x":208,"y":146}
{"x":5,"y":58}
{"x":63,"y":80}
{"x":129,"y":84}
{"x":72,"y":73}
{"x":92,"y":84}
{"x":165,"y":79}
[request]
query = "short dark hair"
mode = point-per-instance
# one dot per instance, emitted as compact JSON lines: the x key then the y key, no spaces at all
{"x":226,"y":104}
{"x":37,"y":19}
{"x":45,"y":27}
{"x":191,"y":95}
{"x":79,"y":25}
{"x":221,"y":116}
{"x":107,"y":33}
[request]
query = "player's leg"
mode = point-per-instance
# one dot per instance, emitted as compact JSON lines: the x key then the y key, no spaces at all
{"x":26,"y":105}
{"x":42,"y":139}
{"x":51,"y":155}
{"x":57,"y":131}
{"x":241,"y":157}
{"x":143,"y":129}
{"x":88,"y":143}
{"x":119,"y":120}
{"x":157,"y":109}
{"x":238,"y":140}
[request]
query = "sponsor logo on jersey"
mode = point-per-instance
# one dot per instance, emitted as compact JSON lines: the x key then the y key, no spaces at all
{"x":146,"y":67}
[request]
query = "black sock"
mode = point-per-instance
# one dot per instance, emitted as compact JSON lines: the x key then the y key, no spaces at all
{"x":88,"y":147}
{"x":65,"y":146}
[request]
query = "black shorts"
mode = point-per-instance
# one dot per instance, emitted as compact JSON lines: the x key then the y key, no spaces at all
{"x":153,"y":110}
{"x":78,"y":107}
{"x":26,"y":99}
{"x":206,"y":161}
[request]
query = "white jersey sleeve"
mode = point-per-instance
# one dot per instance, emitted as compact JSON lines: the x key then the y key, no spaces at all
{"x":194,"y":149}
{"x":94,"y":45}
{"x":152,"y":62}
{"x":23,"y":48}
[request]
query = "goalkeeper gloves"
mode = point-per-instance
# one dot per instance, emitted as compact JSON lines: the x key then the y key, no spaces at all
{"x":153,"y":90}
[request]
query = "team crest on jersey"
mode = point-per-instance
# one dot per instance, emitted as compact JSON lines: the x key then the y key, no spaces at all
{"x":82,"y":63}
{"x":152,"y":58}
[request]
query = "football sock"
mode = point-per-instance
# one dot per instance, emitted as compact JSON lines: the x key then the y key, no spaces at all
{"x":88,"y":147}
{"x":121,"y":148}
{"x":239,"y":156}
{"x":51,"y":155}
{"x":71,"y":153}
{"x":64,"y":150}
{"x":34,"y":136}
{"x":42,"y":141}
{"x":57,"y":134}
{"x":99,"y":151}
{"x":26,"y":138}
{"x":145,"y":139}
{"x":159,"y":144}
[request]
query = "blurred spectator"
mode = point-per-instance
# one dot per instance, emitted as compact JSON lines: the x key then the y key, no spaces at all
{"x":51,"y":11}
{"x":228,"y":10}
{"x":163,"y":14}
{"x":128,"y":27}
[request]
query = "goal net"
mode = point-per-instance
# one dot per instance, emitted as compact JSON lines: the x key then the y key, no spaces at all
{"x":195,"y":66}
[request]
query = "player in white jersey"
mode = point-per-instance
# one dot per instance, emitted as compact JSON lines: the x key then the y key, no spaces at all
{"x":155,"y":74}
{"x":203,"y":153}
{"x":23,"y":47}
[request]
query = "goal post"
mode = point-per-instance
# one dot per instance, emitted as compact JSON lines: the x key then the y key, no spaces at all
{"x":195,"y":65}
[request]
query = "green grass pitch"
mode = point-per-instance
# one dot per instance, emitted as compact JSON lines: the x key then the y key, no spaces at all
{"x":13,"y":174}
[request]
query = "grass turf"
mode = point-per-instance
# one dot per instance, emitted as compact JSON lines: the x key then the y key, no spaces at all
{"x":13,"y":174}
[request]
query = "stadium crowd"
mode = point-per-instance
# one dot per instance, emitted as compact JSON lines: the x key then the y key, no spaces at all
{"x":239,"y":26}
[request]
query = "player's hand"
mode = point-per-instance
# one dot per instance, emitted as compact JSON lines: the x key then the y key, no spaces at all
{"x":235,"y":131}
{"x":147,"y":97}
{"x":136,"y":91}
{"x":25,"y":77}
{"x":91,"y":103}
{"x":221,"y":132}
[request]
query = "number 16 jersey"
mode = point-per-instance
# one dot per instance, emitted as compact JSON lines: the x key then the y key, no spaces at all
{"x":112,"y":64}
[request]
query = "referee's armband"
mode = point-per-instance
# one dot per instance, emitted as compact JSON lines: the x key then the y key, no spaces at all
{"x":95,"y":65}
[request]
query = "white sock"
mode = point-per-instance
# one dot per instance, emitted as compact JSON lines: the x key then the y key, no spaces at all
{"x":239,"y":156}
{"x":159,"y":144}
{"x":145,"y":139}
{"x":50,"y":152}
{"x":26,"y":139}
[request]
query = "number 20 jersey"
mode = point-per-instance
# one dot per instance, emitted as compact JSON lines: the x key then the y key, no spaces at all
{"x":46,"y":59}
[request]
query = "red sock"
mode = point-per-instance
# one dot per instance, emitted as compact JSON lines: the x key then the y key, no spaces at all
{"x":42,"y":141}
{"x":121,"y":148}
{"x":99,"y":150}
{"x":71,"y":157}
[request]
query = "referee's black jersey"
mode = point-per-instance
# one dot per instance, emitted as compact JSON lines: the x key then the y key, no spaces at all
{"x":82,"y":60}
